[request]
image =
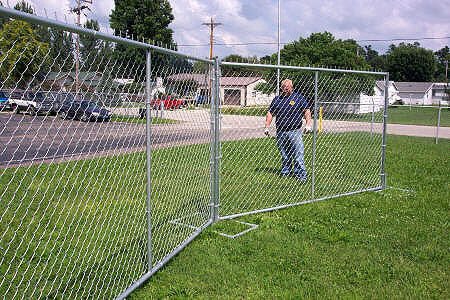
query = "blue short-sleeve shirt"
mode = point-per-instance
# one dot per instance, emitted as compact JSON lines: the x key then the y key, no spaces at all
{"x":288,"y":111}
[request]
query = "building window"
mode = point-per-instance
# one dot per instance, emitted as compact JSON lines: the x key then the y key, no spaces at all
{"x":253,"y":94}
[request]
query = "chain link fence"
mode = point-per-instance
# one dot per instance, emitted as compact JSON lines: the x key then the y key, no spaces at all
{"x":75,"y":161}
{"x":111,"y":166}
{"x":342,"y":155}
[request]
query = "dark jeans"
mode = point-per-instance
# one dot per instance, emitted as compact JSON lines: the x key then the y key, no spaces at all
{"x":291,"y":148}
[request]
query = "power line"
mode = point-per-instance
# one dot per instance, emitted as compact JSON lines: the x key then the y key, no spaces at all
{"x":284,"y":43}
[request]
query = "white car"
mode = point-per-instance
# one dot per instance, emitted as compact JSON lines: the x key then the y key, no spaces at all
{"x":29,"y":101}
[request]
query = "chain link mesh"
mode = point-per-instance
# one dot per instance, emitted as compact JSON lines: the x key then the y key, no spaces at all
{"x":73,"y":215}
{"x":347,"y":150}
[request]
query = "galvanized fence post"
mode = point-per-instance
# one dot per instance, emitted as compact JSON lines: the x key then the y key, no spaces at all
{"x":438,"y":123}
{"x":213,"y":143}
{"x":148,"y":91}
{"x":316,"y":79}
{"x":217,"y":139}
{"x":373,"y":118}
{"x":383,"y":146}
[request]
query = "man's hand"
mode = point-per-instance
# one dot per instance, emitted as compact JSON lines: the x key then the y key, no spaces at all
{"x":266,"y":131}
{"x":307,"y":129}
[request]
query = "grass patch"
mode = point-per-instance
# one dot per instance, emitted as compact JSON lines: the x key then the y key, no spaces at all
{"x":246,"y":111}
{"x":425,"y":116}
{"x":77,"y":229}
{"x":137,"y":120}
{"x":373,"y":245}
{"x":418,"y":116}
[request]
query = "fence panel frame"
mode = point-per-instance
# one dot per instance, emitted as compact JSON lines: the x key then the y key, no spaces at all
{"x":317,"y":70}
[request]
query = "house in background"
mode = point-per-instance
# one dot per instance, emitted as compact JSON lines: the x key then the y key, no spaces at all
{"x":438,"y":94}
{"x":242,"y":91}
{"x":376,"y":102}
{"x":65,"y":81}
{"x":415,"y":93}
{"x":233,"y":90}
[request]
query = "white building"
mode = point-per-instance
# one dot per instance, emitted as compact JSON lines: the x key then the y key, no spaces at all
{"x":415,"y":93}
{"x":368,"y":104}
{"x":240,"y":91}
{"x":438,"y":95}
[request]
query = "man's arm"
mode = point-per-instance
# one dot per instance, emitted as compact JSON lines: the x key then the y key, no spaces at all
{"x":308,"y":126}
{"x":268,"y":121}
{"x":308,"y":117}
{"x":269,"y":118}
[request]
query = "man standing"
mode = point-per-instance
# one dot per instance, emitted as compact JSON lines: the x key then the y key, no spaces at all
{"x":289,"y":108}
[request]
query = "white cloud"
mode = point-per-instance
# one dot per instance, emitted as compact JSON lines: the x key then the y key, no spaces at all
{"x":256,"y":21}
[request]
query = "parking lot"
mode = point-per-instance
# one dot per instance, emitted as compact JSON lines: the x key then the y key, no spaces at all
{"x":29,"y":139}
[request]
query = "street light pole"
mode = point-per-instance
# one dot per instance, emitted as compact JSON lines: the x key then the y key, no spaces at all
{"x":78,"y":11}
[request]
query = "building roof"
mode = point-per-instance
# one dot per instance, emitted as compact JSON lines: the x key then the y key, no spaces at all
{"x":202,"y":79}
{"x":380,"y":84}
{"x":238,"y":81}
{"x":413,"y":87}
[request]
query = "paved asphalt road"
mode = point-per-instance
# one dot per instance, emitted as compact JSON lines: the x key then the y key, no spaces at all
{"x":27,"y":140}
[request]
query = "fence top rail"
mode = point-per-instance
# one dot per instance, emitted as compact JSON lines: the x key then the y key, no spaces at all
{"x":13,"y":13}
{"x":226,"y":63}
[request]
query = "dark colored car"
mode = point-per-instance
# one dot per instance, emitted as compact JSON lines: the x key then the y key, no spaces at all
{"x":83,"y":110}
{"x":3,"y":100}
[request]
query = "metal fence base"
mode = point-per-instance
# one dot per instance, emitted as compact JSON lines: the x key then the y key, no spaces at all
{"x":378,"y":188}
{"x":144,"y":278}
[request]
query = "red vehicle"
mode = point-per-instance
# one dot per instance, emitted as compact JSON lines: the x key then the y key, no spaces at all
{"x":170,"y":102}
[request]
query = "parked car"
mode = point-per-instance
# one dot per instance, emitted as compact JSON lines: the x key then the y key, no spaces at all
{"x":169,"y":102}
{"x":29,"y":101}
{"x":83,"y":110}
{"x":4,"y":103}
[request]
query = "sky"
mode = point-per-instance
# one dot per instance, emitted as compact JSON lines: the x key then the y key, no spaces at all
{"x":250,"y":22}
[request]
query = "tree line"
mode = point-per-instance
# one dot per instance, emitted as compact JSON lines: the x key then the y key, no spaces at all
{"x":405,"y":62}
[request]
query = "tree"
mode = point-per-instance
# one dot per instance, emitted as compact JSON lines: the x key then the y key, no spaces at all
{"x":241,"y":71}
{"x":410,"y":62}
{"x":23,"y":57}
{"x":322,"y":49}
{"x":90,"y":48}
{"x":61,"y":50}
{"x":24,"y":6}
{"x":442,"y":56}
{"x":142,"y":19}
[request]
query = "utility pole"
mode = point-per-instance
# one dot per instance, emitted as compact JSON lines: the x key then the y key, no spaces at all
{"x":212,"y":25}
{"x":78,"y":11}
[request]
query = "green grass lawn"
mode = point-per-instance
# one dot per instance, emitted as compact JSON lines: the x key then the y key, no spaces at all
{"x":246,"y":111}
{"x":137,"y":120}
{"x":390,"y":244}
{"x":77,"y":229}
{"x":418,"y":116}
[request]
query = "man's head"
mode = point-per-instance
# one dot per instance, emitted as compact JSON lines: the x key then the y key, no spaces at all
{"x":286,"y":87}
